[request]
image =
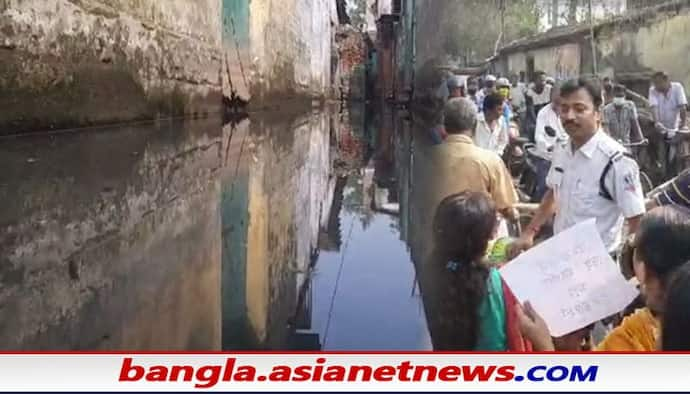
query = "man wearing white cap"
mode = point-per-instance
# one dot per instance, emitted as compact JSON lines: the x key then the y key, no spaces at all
{"x":489,"y":87}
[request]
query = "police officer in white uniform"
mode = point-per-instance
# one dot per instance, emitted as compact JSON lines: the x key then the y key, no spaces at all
{"x":590,"y":176}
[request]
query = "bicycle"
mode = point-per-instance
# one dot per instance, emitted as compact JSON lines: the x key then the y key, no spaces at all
{"x":645,"y":180}
{"x":527,"y":176}
{"x":677,"y":151}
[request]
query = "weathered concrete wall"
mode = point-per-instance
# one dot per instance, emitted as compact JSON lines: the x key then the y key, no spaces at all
{"x":516,"y":62}
{"x":69,"y":62}
{"x":429,"y":13}
{"x":659,"y":43}
{"x":406,"y":50}
{"x":278,"y":48}
{"x":116,"y":253}
{"x":429,"y":45}
{"x":562,"y":61}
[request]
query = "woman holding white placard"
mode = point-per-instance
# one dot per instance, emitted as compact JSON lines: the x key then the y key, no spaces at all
{"x":662,"y":246}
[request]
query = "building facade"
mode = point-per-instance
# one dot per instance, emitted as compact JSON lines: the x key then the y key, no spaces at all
{"x":278,"y":49}
{"x":629,"y":48}
{"x":67,"y":63}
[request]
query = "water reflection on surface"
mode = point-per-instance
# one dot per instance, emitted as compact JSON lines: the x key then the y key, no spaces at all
{"x":317,"y":262}
{"x":109,"y":239}
{"x":280,"y":232}
{"x":367,"y":294}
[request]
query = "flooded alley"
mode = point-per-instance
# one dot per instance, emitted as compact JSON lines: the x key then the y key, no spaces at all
{"x":343,"y":175}
{"x":281,"y":232}
{"x":312,"y":251}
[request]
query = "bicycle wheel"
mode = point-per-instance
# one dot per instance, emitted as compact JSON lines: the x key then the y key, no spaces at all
{"x":647,"y":185}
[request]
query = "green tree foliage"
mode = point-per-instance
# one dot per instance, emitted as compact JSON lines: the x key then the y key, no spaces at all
{"x":522,"y":19}
{"x":474,"y":26}
{"x":357,"y":12}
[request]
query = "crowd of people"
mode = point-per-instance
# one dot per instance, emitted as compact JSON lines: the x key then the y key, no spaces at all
{"x":581,"y":131}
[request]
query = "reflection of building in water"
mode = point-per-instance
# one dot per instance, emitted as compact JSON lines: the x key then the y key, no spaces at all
{"x":384,"y":156}
{"x":117,"y":247}
{"x":302,"y":336}
{"x":385,"y":202}
{"x":273,"y":207}
{"x":234,"y":210}
{"x":379,"y":178}
{"x":330,"y":237}
{"x":404,"y":158}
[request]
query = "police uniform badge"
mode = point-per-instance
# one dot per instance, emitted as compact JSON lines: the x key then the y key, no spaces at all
{"x":629,"y":182}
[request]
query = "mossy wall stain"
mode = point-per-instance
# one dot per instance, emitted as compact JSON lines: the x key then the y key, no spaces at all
{"x":68,"y":63}
{"x":654,"y":44}
{"x":83,"y":62}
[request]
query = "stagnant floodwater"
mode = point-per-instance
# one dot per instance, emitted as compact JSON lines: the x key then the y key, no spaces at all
{"x":280,"y":232}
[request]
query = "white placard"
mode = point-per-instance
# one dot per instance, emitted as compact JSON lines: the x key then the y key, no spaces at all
{"x":570,"y":280}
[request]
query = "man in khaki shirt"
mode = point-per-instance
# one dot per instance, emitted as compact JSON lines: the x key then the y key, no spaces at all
{"x":454,"y":166}
{"x":459,"y":165}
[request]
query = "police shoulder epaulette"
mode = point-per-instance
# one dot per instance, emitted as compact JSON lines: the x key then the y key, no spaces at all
{"x":620,"y":155}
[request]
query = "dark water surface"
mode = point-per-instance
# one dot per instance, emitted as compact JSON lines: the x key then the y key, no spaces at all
{"x":288,"y":232}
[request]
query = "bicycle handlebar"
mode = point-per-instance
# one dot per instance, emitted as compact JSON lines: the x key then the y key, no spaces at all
{"x":636,"y":144}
